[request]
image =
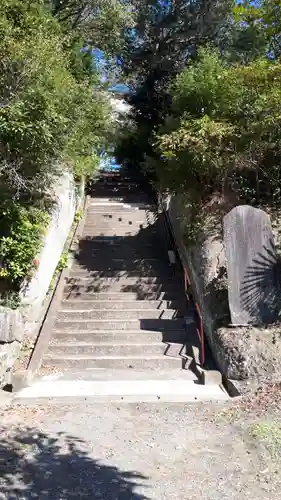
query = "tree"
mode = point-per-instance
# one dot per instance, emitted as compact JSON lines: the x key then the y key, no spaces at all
{"x":53,"y":116}
{"x":166,"y":36}
{"x":44,"y":106}
{"x":98,"y":23}
{"x":256,"y":30}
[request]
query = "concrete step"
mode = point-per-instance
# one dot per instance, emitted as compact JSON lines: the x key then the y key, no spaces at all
{"x":119,"y":336}
{"x":88,"y":314}
{"x":123,"y":252}
{"x":83,"y":294}
{"x":82,"y":286}
{"x":121,"y":350}
{"x":143,"y":388}
{"x":168,"y":281}
{"x":119,"y":204}
{"x":126,"y":305}
{"x":93,"y":244}
{"x":140,"y":363}
{"x":108,"y":263}
{"x":92,"y":271}
{"x":116,"y":227}
{"x":122,"y":242}
{"x":146,"y":240}
{"x":123,"y":232}
{"x":128,"y":191}
{"x":97,"y":210}
{"x":120,"y":219}
{"x":161,"y":325}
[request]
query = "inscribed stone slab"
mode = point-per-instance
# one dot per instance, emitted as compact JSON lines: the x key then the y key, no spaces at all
{"x":253,"y":267}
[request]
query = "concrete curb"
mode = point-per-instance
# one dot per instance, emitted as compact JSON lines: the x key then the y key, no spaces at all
{"x":206,"y":377}
{"x":6,"y":399}
{"x":232,"y":387}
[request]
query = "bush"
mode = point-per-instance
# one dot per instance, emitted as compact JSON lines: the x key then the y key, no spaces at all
{"x":47,"y":114}
{"x":22,"y":230}
{"x":52,"y":116}
{"x":224,"y":132}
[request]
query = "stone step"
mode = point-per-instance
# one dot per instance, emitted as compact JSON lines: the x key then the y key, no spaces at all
{"x":111,"y":186}
{"x":120,"y":219}
{"x":61,"y":388}
{"x":99,"y":212}
{"x":92,"y":228}
{"x":113,"y":183}
{"x":119,"y":336}
{"x":162,"y":281}
{"x":146,"y":239}
{"x":119,"y":204}
{"x":121,"y":350}
{"x":123,"y":252}
{"x":140,"y":363}
{"x":82,"y":286}
{"x":122,"y":197}
{"x":161,"y":325}
{"x":104,"y":375}
{"x":93,"y":272}
{"x":126,"y":305}
{"x":123,"y":242}
{"x":115,"y":297}
{"x":130,"y":192}
{"x":113,"y":314}
{"x":109,"y":263}
{"x":123,"y":231}
{"x":129,"y":234}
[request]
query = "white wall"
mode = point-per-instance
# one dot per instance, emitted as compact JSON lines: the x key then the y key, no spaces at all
{"x":54,"y":241}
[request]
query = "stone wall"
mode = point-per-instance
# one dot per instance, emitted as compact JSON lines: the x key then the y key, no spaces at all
{"x":241,"y":353}
{"x":16,"y":324}
{"x":205,"y":262}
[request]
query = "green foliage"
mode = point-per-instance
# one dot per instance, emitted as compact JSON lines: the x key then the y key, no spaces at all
{"x":63,"y":261}
{"x":48,"y":111}
{"x":52,"y":116}
{"x":166,"y":36}
{"x":99,"y":23}
{"x":10,"y":299}
{"x":224,"y":133}
{"x":78,"y":215}
{"x":269,"y":434}
{"x":22,"y":231}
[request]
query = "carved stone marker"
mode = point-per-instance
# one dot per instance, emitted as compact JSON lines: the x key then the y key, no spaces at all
{"x":253,"y":268}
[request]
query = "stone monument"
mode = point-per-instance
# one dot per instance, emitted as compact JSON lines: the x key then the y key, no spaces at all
{"x":253,"y":267}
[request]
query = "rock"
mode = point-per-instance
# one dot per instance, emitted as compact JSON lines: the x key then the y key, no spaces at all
{"x":11,"y":325}
{"x":250,"y":352}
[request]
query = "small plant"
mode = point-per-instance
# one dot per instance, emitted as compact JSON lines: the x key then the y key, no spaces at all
{"x":11,"y":300}
{"x":21,"y":239}
{"x":268,"y":433}
{"x":63,"y":262}
{"x":78,"y":215}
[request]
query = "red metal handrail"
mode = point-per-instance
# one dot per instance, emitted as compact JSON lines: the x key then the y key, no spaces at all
{"x":200,"y":329}
{"x":187,"y":284}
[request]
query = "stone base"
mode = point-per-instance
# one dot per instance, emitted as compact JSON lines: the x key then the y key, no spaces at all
{"x":245,"y":353}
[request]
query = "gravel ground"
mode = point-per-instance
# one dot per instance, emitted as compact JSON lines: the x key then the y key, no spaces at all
{"x":133,"y":452}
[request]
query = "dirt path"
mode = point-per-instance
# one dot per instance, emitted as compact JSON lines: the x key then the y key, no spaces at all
{"x":139,"y":452}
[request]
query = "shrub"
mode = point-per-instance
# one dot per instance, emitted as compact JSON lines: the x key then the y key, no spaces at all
{"x":48,"y":115}
{"x":224,"y":133}
{"x":22,"y":230}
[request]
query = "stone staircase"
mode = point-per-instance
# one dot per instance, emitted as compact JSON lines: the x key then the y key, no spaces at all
{"x":123,"y":330}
